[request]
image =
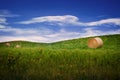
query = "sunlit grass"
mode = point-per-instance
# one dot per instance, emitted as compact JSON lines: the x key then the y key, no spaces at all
{"x":67,"y":60}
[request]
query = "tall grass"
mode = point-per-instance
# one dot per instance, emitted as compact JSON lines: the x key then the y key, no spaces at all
{"x":66,"y":60}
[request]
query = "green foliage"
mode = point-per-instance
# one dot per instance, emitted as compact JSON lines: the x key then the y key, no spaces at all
{"x":65,"y":60}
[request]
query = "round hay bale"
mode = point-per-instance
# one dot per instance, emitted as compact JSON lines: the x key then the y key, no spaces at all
{"x":7,"y":44}
{"x":95,"y":42}
{"x":18,"y":46}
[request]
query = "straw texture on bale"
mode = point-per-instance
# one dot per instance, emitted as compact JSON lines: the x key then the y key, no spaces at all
{"x":95,"y":42}
{"x":18,"y":46}
{"x":7,"y":44}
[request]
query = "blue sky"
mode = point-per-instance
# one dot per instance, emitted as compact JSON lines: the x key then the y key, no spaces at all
{"x":56,"y":20}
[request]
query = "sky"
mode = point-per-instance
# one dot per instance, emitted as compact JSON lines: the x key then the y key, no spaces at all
{"x":49,"y":21}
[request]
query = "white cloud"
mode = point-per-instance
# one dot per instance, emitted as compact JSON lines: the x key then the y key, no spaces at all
{"x":93,"y":32}
{"x":22,"y":34}
{"x":115,"y":21}
{"x":71,"y":20}
{"x":2,"y":26}
{"x":37,"y":36}
{"x":58,"y":19}
{"x":66,"y":35}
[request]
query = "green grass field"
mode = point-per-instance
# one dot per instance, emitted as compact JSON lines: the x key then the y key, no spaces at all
{"x":65,"y":60}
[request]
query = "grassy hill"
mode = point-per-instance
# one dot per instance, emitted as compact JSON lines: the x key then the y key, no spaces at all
{"x":65,"y":60}
{"x":110,"y":41}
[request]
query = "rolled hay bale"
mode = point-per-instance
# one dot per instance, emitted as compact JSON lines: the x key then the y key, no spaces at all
{"x":18,"y":46}
{"x":7,"y":44}
{"x":95,"y":42}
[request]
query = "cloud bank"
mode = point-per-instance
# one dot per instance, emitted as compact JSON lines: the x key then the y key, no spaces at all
{"x":37,"y":36}
{"x":47,"y":35}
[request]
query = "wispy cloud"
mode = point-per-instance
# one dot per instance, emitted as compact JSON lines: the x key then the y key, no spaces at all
{"x":71,"y":20}
{"x":3,"y":17}
{"x":2,"y":26}
{"x":34,"y":35}
{"x":18,"y":31}
{"x":26,"y":32}
{"x":21,"y":34}
{"x":6,"y":13}
{"x":94,"y":32}
{"x":57,"y":19}
{"x":88,"y":32}
{"x":3,"y":23}
{"x":115,"y":21}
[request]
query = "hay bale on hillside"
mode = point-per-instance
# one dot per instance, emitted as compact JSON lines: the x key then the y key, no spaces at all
{"x":18,"y":46}
{"x":7,"y":44}
{"x":95,"y":42}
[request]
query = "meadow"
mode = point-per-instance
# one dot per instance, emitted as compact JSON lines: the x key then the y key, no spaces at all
{"x":64,"y":60}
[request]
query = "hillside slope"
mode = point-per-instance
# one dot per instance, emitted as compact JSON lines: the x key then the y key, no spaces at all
{"x":65,"y":60}
{"x":110,"y":42}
